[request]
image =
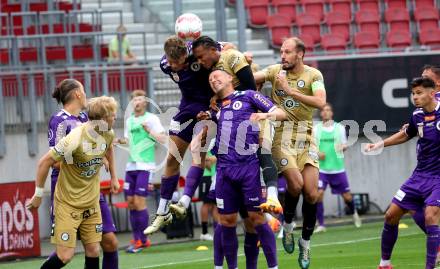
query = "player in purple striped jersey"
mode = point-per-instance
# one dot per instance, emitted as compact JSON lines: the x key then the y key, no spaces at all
{"x":422,"y":189}
{"x":238,"y":168}
{"x":70,"y":93}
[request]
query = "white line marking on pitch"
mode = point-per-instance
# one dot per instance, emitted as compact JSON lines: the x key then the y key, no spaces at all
{"x":317,"y":245}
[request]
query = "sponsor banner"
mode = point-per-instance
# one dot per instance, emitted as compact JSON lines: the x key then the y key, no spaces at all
{"x":19,"y":233}
{"x":373,"y":88}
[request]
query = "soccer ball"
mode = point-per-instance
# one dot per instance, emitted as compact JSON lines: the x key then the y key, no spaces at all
{"x":188,"y":26}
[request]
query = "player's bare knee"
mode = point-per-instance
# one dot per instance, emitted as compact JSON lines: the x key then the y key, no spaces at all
{"x":109,"y":242}
{"x":65,"y":255}
{"x":257,"y":218}
{"x":391,"y":218}
{"x":432,"y":216}
{"x":92,"y":250}
{"x":311,"y":198}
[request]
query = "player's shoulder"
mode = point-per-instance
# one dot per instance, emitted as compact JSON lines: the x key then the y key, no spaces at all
{"x":418,"y":111}
{"x":312,"y":70}
{"x":58,"y":117}
{"x":164,"y":65}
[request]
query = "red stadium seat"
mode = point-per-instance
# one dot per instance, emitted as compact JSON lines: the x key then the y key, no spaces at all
{"x":279,"y":27}
{"x":9,"y":8}
{"x":67,"y":6}
{"x":430,"y":37}
{"x":424,"y":3}
{"x":285,"y":7}
{"x":4,"y":56}
{"x":339,"y":23}
{"x":315,"y":7}
{"x":343,"y":6}
{"x":309,"y":42}
{"x":368,"y":21}
{"x":104,"y":51}
{"x":28,"y":54}
{"x":366,"y":40}
{"x":57,"y":28}
{"x":398,"y":19}
{"x":257,"y":10}
{"x":396,"y":4}
{"x":56,"y":53}
{"x":82,"y":52}
{"x":400,"y":39}
{"x":38,"y":6}
{"x":427,"y":18}
{"x":309,"y":24}
{"x":333,"y":42}
{"x":372,"y":5}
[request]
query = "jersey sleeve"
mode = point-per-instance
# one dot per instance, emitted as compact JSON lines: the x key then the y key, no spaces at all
{"x":52,"y":132}
{"x":343,"y":134}
{"x":269,"y":73}
{"x":164,"y":66}
{"x":411,"y":130}
{"x":65,"y":147}
{"x":261,"y":101}
{"x":236,"y":61}
{"x":154,"y":124}
{"x":317,"y":82}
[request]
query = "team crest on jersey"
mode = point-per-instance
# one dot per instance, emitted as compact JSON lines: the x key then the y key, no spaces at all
{"x":437,"y":125}
{"x":290,"y":103}
{"x":301,"y":83}
{"x":420,"y":128}
{"x":50,"y":134}
{"x":175,"y":76}
{"x":195,"y":66}
{"x":284,"y":162}
{"x":237,"y":105}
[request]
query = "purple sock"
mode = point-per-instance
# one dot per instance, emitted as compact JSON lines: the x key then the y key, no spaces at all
{"x":169,"y":185}
{"x":320,"y":213}
{"x":192,"y":180}
{"x":268,"y":244}
{"x":251,"y":250}
{"x":389,"y":238}
{"x":419,"y":219}
{"x":110,"y":260}
{"x":134,"y":225}
{"x":432,"y":243}
{"x":218,"y":248}
{"x":230,"y":246}
{"x":142,"y":224}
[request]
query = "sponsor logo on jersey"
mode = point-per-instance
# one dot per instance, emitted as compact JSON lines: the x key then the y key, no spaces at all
{"x":280,"y":93}
{"x":175,"y":76}
{"x":94,"y":161}
{"x":261,"y":99}
{"x":301,"y":83}
{"x":420,"y":128}
{"x":237,"y":105}
{"x":430,"y":118}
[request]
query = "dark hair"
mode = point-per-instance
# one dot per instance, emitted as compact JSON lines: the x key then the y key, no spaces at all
{"x":204,"y":41}
{"x":63,"y":92}
{"x":434,"y":69}
{"x":422,"y":81}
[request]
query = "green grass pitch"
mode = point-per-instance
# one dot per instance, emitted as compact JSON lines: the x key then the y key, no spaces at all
{"x":339,"y":248}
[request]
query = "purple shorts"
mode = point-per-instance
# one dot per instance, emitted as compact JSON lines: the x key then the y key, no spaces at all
{"x":237,"y":186}
{"x":418,"y":191}
{"x":338,"y":182}
{"x":184,"y":121}
{"x":136,"y":183}
{"x":107,"y":221}
{"x":282,"y":184}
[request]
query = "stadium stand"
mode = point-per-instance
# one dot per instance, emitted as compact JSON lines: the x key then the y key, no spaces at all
{"x":285,"y":7}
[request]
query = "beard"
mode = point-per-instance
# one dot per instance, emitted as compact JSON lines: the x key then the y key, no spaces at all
{"x":290,"y":66}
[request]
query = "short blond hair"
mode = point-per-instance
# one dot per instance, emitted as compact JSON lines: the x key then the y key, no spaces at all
{"x":137,"y":93}
{"x":99,"y":108}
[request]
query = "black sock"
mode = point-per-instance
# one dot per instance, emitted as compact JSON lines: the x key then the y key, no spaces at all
{"x":270,"y":172}
{"x":350,"y":206}
{"x":289,"y":209}
{"x":204,"y":227}
{"x":53,"y":262}
{"x":91,"y":263}
{"x":309,"y":219}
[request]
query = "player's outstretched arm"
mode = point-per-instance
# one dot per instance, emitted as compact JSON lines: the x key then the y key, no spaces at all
{"x":396,"y":139}
{"x":276,"y":114}
{"x":259,"y":77}
{"x":44,"y":164}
